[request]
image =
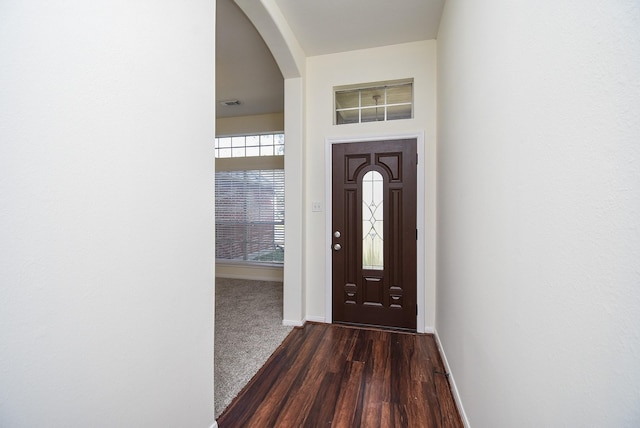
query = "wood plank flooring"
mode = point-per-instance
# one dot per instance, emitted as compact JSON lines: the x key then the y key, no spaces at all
{"x":329,"y":375}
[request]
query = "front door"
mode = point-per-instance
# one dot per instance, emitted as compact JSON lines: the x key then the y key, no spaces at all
{"x":374,"y":233}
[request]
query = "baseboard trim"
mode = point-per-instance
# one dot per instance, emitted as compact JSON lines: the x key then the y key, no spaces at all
{"x":215,"y":425}
{"x":249,"y":272}
{"x":293,"y":323}
{"x":452,"y":381}
{"x":320,"y":320}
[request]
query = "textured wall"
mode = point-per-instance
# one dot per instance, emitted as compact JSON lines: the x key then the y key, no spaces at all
{"x":539,"y":210}
{"x":106,"y":213}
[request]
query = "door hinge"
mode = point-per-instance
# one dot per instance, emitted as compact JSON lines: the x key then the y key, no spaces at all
{"x":416,"y":159}
{"x":416,"y":234}
{"x":416,"y":310}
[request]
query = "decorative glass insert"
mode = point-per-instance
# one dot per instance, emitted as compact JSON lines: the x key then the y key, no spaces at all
{"x":374,"y":102}
{"x":372,"y":221}
{"x":250,"y":145}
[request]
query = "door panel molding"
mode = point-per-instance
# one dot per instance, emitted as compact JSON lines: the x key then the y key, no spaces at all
{"x":420,"y":212}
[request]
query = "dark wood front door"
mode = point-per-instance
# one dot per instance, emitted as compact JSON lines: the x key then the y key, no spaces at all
{"x":374,"y":233}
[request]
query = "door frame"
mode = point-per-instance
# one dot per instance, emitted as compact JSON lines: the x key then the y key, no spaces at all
{"x":420,"y":219}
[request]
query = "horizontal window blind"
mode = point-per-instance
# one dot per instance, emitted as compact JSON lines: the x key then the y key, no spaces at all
{"x":250,"y":216}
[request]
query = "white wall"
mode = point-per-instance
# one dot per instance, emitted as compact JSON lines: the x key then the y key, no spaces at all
{"x":417,"y":60}
{"x":294,"y":292}
{"x":274,"y":29}
{"x":249,"y":125}
{"x":539,"y":210}
{"x":106,"y":213}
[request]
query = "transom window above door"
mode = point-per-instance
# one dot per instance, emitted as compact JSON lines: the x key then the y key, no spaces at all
{"x":373,"y":102}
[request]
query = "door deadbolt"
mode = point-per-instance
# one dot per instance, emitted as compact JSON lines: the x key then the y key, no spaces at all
{"x":337,"y":247}
{"x":336,"y":233}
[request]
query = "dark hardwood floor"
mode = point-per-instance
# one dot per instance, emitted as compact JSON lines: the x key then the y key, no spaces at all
{"x":330,"y":375}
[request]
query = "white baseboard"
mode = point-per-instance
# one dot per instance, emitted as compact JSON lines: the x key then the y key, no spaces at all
{"x":293,"y":323}
{"x":215,"y":425}
{"x":452,"y":381}
{"x":249,"y":272}
{"x":296,"y":323}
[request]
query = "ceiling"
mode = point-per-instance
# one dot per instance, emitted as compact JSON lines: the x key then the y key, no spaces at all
{"x":245,"y":68}
{"x":247,"y":72}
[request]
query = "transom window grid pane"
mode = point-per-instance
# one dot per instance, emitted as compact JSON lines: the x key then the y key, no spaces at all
{"x":372,"y":221}
{"x":374,"y":104}
{"x":249,"y":146}
{"x":250,"y":216}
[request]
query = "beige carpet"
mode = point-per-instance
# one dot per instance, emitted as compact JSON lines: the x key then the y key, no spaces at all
{"x":248,"y":330}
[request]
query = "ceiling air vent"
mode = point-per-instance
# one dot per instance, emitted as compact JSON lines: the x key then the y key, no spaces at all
{"x":230,"y":103}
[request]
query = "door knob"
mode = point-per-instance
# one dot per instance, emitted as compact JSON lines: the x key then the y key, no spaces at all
{"x":336,"y":233}
{"x":337,"y":247}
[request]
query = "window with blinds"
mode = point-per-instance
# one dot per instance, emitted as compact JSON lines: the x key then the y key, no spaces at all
{"x":250,"y":216}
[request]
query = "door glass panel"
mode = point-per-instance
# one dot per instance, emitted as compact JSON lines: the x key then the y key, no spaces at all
{"x":372,"y":221}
